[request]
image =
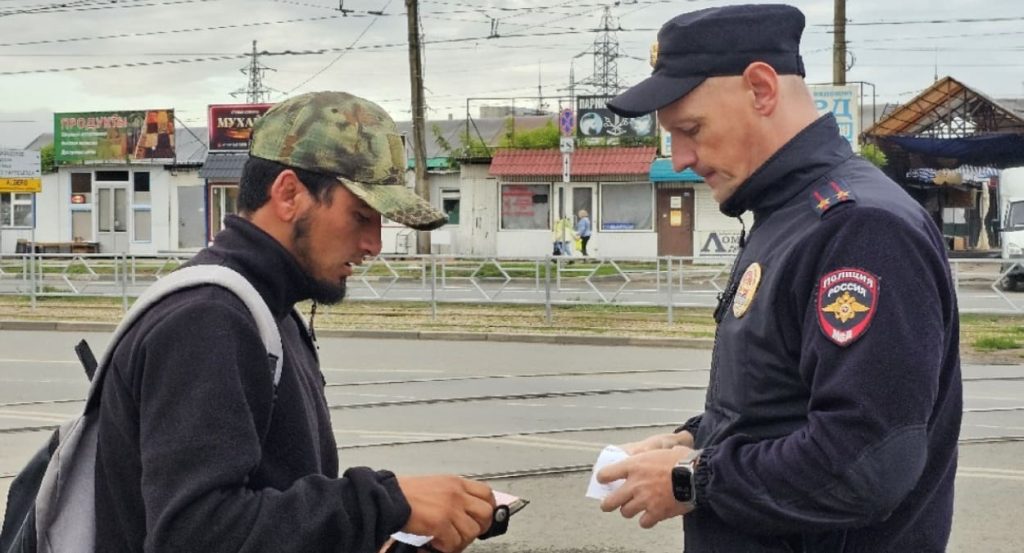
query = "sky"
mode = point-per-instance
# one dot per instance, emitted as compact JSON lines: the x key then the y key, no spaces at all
{"x":187,"y":54}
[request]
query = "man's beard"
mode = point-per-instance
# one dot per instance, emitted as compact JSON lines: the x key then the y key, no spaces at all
{"x":321,"y":291}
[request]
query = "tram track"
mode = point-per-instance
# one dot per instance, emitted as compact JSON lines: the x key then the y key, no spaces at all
{"x":552,"y":470}
{"x":467,"y":378}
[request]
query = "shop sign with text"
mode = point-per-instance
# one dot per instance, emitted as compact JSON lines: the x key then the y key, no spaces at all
{"x":231,"y":125}
{"x":112,"y":136}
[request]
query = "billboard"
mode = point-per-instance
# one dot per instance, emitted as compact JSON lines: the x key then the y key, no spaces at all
{"x":231,"y":125}
{"x":842,"y":101}
{"x":595,"y":120}
{"x":113,"y":136}
{"x":20,"y":171}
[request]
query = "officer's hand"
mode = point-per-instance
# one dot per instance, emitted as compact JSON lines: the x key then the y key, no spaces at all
{"x":659,"y":441}
{"x":648,"y":486}
{"x":451,"y":509}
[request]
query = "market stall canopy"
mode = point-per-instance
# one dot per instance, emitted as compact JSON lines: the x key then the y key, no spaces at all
{"x":951,"y":124}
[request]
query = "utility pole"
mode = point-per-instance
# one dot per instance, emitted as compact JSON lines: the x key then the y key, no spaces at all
{"x":839,"y":44}
{"x":418,"y":120}
{"x":256,"y":92}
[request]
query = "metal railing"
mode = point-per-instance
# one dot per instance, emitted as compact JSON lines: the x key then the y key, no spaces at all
{"x":668,"y":282}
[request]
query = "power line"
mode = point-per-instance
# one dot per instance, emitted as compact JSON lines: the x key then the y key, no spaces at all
{"x":927,"y":21}
{"x":343,"y":52}
{"x":170,"y":31}
{"x":66,"y":7}
{"x":256,"y":92}
{"x":317,"y":52}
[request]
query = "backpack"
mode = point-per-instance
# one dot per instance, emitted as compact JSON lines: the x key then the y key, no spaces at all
{"x":51,"y":504}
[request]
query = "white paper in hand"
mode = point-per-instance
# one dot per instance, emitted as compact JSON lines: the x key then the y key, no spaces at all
{"x":609,"y":456}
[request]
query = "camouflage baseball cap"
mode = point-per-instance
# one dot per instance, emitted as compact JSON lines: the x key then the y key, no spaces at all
{"x":352,"y":139}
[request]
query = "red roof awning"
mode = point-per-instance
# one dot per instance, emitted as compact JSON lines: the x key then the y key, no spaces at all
{"x":588,"y":162}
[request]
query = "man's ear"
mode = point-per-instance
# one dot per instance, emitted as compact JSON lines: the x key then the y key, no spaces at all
{"x":288,"y":196}
{"x":763,"y":82}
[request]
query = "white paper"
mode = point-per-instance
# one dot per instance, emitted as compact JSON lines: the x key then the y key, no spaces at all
{"x":609,"y":456}
{"x":416,"y":540}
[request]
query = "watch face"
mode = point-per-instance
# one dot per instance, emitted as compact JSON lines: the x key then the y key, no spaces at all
{"x":682,"y":484}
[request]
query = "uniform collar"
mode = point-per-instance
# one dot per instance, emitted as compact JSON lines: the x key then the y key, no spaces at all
{"x":800,"y":162}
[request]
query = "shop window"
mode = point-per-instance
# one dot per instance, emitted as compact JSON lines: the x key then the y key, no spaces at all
{"x":15,"y":209}
{"x":81,"y":188}
{"x":141,"y":189}
{"x":525,"y":206}
{"x":627,"y":206}
{"x":142,"y":215}
{"x":112,"y":176}
{"x":81,"y":225}
{"x":143,"y":225}
{"x":450,"y":201}
{"x":223,"y":202}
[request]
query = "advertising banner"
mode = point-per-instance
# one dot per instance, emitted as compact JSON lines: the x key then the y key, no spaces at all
{"x":123,"y":136}
{"x":595,"y":120}
{"x":231,"y":125}
{"x":20,"y":171}
{"x":844,"y":103}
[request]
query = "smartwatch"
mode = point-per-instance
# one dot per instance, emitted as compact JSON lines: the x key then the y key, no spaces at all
{"x":683,"y":486}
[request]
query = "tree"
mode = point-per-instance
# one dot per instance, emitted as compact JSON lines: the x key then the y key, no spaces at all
{"x":874,"y":154}
{"x":46,"y":159}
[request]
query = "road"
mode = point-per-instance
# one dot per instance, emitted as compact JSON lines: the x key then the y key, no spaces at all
{"x":486,"y":408}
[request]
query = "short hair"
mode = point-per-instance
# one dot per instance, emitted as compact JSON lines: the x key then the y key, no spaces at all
{"x":259,"y":174}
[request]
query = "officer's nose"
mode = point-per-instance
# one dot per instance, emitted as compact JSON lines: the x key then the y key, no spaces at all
{"x":682,"y":156}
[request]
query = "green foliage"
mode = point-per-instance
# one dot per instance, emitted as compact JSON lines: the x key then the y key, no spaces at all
{"x":990,"y":343}
{"x":874,"y":154}
{"x":534,"y":139}
{"x":439,"y":138}
{"x":48,"y":163}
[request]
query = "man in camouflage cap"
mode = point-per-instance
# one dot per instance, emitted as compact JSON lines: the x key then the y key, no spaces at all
{"x":352,"y":139}
{"x":198,"y":451}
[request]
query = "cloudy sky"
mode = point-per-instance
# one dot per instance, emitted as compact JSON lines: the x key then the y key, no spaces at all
{"x":186,"y":54}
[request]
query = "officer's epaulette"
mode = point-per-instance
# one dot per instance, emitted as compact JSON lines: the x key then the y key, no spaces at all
{"x":829,"y":195}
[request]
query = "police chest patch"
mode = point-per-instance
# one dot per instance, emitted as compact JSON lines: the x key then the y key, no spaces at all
{"x":746,"y":290}
{"x":847,"y":301}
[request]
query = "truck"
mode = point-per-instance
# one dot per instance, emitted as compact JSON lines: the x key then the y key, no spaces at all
{"x":1011,"y":227}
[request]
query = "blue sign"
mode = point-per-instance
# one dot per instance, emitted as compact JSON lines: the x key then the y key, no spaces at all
{"x":618,"y":226}
{"x":566,"y":121}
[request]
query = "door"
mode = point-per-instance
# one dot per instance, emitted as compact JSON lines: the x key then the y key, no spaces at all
{"x":112,"y":217}
{"x":191,"y":221}
{"x":675,"y":222}
{"x":583,"y":199}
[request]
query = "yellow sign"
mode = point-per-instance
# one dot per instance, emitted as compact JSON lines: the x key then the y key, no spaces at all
{"x":32,"y":185}
{"x":675,"y":218}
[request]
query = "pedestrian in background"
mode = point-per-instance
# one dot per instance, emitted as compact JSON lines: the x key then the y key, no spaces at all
{"x":834,"y":401}
{"x":583,"y":230}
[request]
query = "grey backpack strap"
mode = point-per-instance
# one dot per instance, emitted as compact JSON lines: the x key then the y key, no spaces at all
{"x":200,"y":275}
{"x":65,"y":503}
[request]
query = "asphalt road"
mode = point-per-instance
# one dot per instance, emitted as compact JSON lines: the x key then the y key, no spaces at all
{"x":491,"y":408}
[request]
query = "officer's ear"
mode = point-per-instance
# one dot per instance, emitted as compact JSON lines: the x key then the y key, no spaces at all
{"x":763,"y":83}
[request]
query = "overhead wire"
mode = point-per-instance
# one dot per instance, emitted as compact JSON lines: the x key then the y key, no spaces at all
{"x":343,"y":52}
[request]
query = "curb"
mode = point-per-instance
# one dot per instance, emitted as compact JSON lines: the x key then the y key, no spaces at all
{"x":559,"y":339}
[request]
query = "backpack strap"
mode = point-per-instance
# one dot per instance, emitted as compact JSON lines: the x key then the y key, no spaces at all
{"x":64,"y":505}
{"x":190,"y":277}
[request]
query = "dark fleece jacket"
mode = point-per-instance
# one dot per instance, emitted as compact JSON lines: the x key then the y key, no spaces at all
{"x":196,"y":455}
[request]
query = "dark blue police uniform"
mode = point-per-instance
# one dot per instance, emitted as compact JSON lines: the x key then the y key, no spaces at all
{"x":834,"y":403}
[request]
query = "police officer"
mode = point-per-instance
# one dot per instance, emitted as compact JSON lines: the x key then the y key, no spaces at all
{"x":834,"y":402}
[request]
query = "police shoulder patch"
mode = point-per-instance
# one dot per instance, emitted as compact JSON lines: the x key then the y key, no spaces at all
{"x":829,"y":195}
{"x":847,"y":301}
